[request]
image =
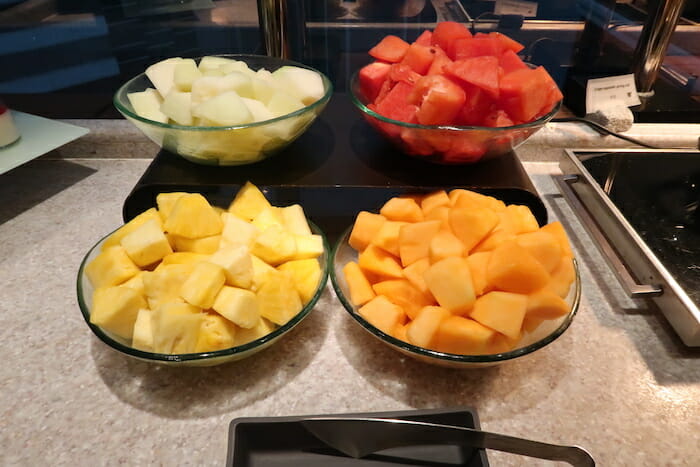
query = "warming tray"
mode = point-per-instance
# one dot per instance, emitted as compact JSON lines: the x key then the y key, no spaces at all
{"x":641,"y":209}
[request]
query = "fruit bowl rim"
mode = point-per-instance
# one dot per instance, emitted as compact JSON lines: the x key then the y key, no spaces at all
{"x":485,"y":359}
{"x":327,"y":84}
{"x":200,"y":356}
{"x":353,"y":91}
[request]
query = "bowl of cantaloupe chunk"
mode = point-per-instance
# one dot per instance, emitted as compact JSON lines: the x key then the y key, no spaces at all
{"x":224,"y":109}
{"x":458,"y":278}
{"x":189,"y":283}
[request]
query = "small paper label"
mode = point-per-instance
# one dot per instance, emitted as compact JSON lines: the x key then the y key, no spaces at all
{"x":515,"y":7}
{"x":601,"y":92}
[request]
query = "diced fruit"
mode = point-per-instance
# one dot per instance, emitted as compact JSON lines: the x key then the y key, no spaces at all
{"x":202,"y":245}
{"x":447,"y":32}
{"x":215,"y":333}
{"x":433,"y":200}
{"x":382,"y":314}
{"x":378,"y":261}
{"x":364,"y":229}
{"x":261,"y":329}
{"x":419,"y":58}
{"x":402,"y":209}
{"x":115,"y":309}
{"x":248,"y":202}
{"x":203,"y":284}
{"x":422,"y":329}
{"x":440,"y":100}
{"x":240,"y":306}
{"x":237,"y":264}
{"x":142,"y":338}
{"x":236,"y":231}
{"x":445,"y":244}
{"x":308,"y":246}
{"x":387,"y":238}
{"x":147,"y":104}
{"x":274,"y":245}
{"x":371,"y":78}
{"x":211,"y":62}
{"x":360,"y":289}
{"x":176,"y":328}
{"x":390,"y":49}
{"x":183,"y":257}
{"x":176,"y":105}
{"x":184,"y":74}
{"x":278,"y":299}
{"x":164,"y":284}
{"x":450,"y":282}
{"x":116,"y":237}
{"x":193,"y":217}
{"x":294,"y":220}
{"x":470,"y":226}
{"x":470,"y":199}
{"x":112,"y":266}
{"x":501,"y":311}
{"x":161,"y":74}
{"x":165,"y":203}
{"x":479,"y":71}
{"x":478,"y":262}
{"x":556,"y":229}
{"x":462,"y":336}
{"x":257,"y":109}
{"x":147,"y":244}
{"x":305,"y":273}
{"x":404,"y":294}
{"x":562,"y":277}
{"x":260,"y":272}
{"x":414,"y":273}
{"x":305,"y":83}
{"x":512,"y":268}
{"x":267,"y":217}
{"x":414,"y":240}
{"x":225,"y":109}
{"x":543,"y":246}
{"x":525,"y":93}
{"x":545,"y":304}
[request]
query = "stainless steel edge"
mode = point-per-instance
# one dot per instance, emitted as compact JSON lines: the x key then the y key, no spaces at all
{"x":681,"y":312}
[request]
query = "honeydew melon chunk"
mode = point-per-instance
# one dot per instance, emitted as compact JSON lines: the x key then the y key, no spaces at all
{"x":207,"y":87}
{"x":147,"y":103}
{"x":226,"y":109}
{"x":184,"y":74}
{"x":215,"y":72}
{"x":212,"y":63}
{"x":236,"y":66}
{"x":305,"y":83}
{"x":263,"y":90}
{"x":241,"y":82}
{"x":162,"y":74}
{"x":258,"y":109}
{"x":176,"y":106}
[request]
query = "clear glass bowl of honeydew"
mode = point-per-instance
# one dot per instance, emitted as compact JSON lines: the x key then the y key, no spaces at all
{"x":186,"y":283}
{"x":457,"y":279}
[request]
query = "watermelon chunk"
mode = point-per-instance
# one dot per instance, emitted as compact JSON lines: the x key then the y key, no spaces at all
{"x":419,"y":58}
{"x":425,"y":38}
{"x":524,"y":93}
{"x":478,"y":46}
{"x":448,"y":31}
{"x":479,"y":71}
{"x":440,"y":100}
{"x":390,"y":49}
{"x":509,"y":61}
{"x":395,"y":104}
{"x":372,"y":77}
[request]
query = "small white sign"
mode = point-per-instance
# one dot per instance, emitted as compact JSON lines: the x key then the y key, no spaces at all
{"x":515,"y":7}
{"x":601,"y":92}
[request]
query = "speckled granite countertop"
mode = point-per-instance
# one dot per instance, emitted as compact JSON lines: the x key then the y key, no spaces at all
{"x":618,"y":382}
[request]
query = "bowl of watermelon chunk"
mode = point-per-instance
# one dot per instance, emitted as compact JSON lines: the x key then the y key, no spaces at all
{"x":451,"y":97}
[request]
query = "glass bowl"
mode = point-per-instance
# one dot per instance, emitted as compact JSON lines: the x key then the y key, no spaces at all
{"x":85,"y":291}
{"x":226,"y":145}
{"x":457,"y":145}
{"x":545,"y":334}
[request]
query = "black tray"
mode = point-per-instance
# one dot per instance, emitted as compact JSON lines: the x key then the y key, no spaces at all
{"x":337,"y":168}
{"x":283,"y":441}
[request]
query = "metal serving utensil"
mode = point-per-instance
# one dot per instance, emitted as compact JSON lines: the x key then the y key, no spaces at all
{"x":359,"y":437}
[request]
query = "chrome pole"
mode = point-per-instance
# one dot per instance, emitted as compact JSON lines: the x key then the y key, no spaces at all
{"x":272,"y":16}
{"x":653,"y":44}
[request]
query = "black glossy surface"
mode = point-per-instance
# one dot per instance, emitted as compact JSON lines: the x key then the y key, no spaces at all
{"x":337,"y":168}
{"x":659,"y":194}
{"x":283,"y":441}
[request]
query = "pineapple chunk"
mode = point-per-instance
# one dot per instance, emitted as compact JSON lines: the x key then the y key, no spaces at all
{"x":133,"y":224}
{"x":136,"y":283}
{"x":147,"y":244}
{"x":248,"y":202}
{"x":274,"y":245}
{"x":114,"y":309}
{"x":203,"y":285}
{"x":278,"y":299}
{"x":163,"y":285}
{"x":261,"y":329}
{"x":182,"y":257}
{"x":237,"y":231}
{"x":142,"y":338}
{"x":166,"y":202}
{"x":237,"y":305}
{"x":260,"y":272}
{"x":215,"y":333}
{"x":237,"y":264}
{"x":308,"y":246}
{"x":176,"y":328}
{"x":269,"y":216}
{"x":193,"y":217}
{"x":111,"y":267}
{"x":295,"y":220}
{"x":202,"y":246}
{"x":306,"y":274}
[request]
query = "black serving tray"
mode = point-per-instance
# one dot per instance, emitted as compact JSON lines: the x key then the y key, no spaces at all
{"x":283,"y":441}
{"x":339,"y":167}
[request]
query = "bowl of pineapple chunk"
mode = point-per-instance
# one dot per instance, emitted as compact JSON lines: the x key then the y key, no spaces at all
{"x":457,"y":279}
{"x":224,"y":109}
{"x":188,"y":283}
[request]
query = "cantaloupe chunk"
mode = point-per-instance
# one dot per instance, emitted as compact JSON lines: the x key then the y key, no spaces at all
{"x":512,"y":268}
{"x":501,"y":311}
{"x":471,"y":225}
{"x":443,"y":245}
{"x":404,"y":294}
{"x":377,"y":261}
{"x":543,"y":246}
{"x":421,"y":331}
{"x":518,"y":219}
{"x":361,"y":290}
{"x":546,"y":304}
{"x":531,"y":323}
{"x":387,"y":237}
{"x":382,"y":314}
{"x":562,"y":277}
{"x":493,"y":240}
{"x":414,"y":274}
{"x":556,"y":229}
{"x":500,"y":343}
{"x":433,"y":200}
{"x":450,"y":282}
{"x":461,"y":198}
{"x":414,"y":240}
{"x":403,"y":209}
{"x":366,"y":226}
{"x":400,"y":332}
{"x":477,"y":266}
{"x":439,"y":213}
{"x":462,"y":336}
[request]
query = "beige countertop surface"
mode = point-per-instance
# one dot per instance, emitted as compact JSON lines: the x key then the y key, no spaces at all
{"x":618,"y":382}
